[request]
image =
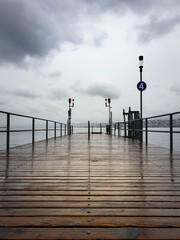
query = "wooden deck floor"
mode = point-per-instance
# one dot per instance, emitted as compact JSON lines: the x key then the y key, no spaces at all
{"x":107,"y":188}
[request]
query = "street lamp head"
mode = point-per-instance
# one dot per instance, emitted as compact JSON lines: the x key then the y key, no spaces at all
{"x":141,"y":61}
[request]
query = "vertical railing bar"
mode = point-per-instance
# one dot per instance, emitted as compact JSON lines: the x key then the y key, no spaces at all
{"x":89,"y":130}
{"x":146,"y":131}
{"x":171,"y":132}
{"x":118,"y":129}
{"x":141,"y":130}
{"x":133,"y":131}
{"x":46,"y":129}
{"x":8,"y":132}
{"x":33,"y":127}
{"x":65,"y":129}
{"x":125,"y":134}
{"x":61,"y":129}
{"x":55,"y":129}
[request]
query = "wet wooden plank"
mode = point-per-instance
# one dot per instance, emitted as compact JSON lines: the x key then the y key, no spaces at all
{"x":92,"y":193}
{"x":90,"y":212}
{"x":86,"y":233}
{"x":161,"y":205}
{"x":140,"y":198}
{"x":48,"y":221}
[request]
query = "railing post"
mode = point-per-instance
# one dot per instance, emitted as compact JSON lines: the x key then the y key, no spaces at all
{"x":65,"y":129}
{"x":89,"y":130}
{"x":118,"y":129}
{"x":33,"y":127}
{"x":115,"y":129}
{"x":141,"y":130}
{"x":8,"y":132}
{"x":171,"y":132}
{"x":133,"y":129}
{"x":46,"y":129}
{"x":146,"y":131}
{"x":125,"y":129}
{"x":55,"y":129}
{"x":61,"y":129}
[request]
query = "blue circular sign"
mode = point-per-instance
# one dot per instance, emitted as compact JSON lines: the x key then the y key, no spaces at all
{"x":141,"y":86}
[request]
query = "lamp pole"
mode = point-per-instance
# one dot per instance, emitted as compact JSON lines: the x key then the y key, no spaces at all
{"x":71,"y":104}
{"x":141,"y":69}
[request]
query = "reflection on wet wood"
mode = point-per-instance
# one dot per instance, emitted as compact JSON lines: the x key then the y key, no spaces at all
{"x":105,"y":188}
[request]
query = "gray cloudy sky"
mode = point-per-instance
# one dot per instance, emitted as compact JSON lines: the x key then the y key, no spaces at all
{"x":88,"y":50}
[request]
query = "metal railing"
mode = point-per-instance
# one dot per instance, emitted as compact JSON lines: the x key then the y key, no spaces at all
{"x":7,"y":129}
{"x":144,"y":127}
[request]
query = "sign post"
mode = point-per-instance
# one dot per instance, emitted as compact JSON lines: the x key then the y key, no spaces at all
{"x":141,"y":86}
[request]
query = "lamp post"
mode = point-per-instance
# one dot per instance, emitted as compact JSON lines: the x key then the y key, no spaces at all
{"x":71,"y":104}
{"x":141,"y":69}
{"x":108,"y":104}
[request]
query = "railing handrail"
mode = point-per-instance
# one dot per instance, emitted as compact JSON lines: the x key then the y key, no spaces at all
{"x":8,"y":129}
{"x":31,"y":117}
{"x":132,"y":127}
{"x":156,"y":116}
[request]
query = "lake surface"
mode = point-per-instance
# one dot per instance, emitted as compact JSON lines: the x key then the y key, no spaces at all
{"x":159,"y":139}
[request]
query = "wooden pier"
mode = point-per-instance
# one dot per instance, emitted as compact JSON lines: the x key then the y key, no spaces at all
{"x":106,"y":188}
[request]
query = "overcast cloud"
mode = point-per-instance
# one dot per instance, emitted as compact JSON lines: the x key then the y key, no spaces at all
{"x":157,"y":28}
{"x":35,"y":28}
{"x":51,"y":50}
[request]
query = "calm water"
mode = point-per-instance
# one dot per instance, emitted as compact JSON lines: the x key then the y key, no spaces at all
{"x":159,"y":139}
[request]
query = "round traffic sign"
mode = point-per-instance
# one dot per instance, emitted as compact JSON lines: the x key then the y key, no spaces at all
{"x":141,"y":86}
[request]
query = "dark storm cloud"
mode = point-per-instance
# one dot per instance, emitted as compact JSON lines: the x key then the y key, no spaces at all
{"x":35,"y":28}
{"x":157,"y":28}
{"x":97,"y":89}
{"x":103,"y":90}
{"x":22,"y":33}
